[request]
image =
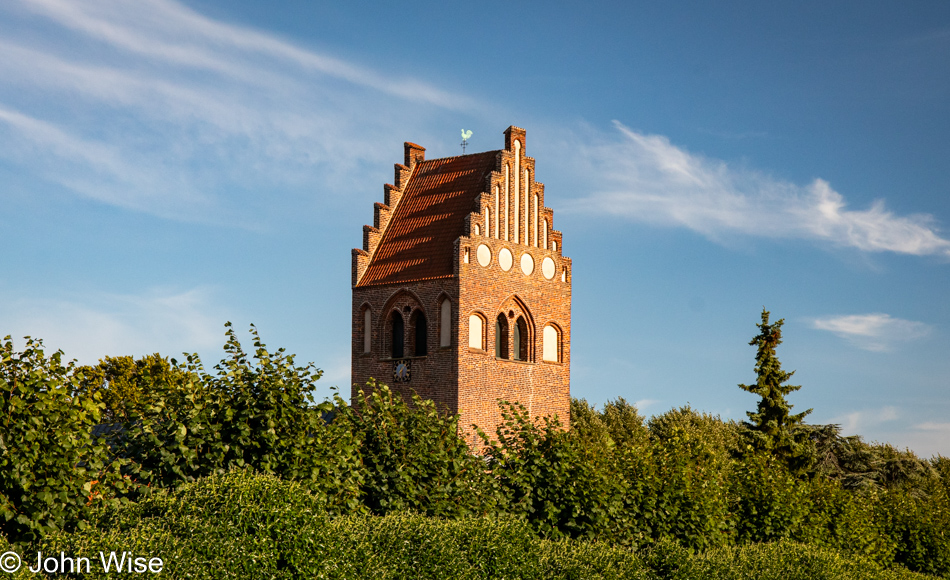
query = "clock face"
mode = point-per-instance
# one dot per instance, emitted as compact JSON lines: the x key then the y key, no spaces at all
{"x":402,"y":371}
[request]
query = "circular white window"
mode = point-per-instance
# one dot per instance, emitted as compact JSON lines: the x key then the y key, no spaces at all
{"x":527,"y":264}
{"x":548,"y":268}
{"x":483,"y":255}
{"x":505,"y":259}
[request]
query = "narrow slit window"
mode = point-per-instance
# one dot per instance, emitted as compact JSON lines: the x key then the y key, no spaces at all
{"x":445,"y":323}
{"x":367,"y":330}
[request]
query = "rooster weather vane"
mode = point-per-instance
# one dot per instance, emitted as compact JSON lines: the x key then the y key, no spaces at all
{"x":465,"y":136}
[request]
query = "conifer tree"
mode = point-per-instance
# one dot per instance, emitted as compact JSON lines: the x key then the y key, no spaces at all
{"x":772,"y":427}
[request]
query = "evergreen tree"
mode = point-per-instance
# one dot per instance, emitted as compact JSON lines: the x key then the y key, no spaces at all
{"x":772,"y":427}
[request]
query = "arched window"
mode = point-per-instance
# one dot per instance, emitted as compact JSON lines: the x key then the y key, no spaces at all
{"x":551,"y":350}
{"x":397,"y":335}
{"x":445,"y":323}
{"x":367,"y":330}
{"x":521,"y":339}
{"x":420,"y":334}
{"x":476,"y":332}
{"x":501,"y":336}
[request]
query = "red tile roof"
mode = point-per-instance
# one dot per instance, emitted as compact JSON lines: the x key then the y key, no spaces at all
{"x":418,"y":242}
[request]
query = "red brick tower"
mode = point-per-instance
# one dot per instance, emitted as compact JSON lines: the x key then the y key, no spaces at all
{"x":460,"y":292}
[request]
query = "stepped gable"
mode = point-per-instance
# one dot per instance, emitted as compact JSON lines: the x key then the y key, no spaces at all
{"x":462,"y":292}
{"x":428,"y":213}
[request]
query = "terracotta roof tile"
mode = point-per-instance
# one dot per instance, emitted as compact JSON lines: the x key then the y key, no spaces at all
{"x":418,"y":242}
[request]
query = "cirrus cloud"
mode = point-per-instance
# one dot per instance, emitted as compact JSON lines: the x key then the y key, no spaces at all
{"x":876,"y":332}
{"x":646,"y":178}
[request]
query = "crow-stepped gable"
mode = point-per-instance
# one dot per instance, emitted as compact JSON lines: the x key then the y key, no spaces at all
{"x":461,"y":292}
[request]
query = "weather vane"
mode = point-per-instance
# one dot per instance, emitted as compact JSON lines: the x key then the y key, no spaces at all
{"x":465,"y":136}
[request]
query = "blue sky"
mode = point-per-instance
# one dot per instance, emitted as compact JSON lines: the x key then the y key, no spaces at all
{"x":169,"y":166}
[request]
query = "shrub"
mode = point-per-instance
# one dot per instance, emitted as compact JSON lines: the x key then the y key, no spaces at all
{"x":413,"y":459}
{"x":547,"y":476}
{"x":48,"y":460}
{"x":257,"y":414}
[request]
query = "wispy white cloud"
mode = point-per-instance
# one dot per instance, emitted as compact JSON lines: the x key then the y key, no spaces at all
{"x":875,"y":332}
{"x":90,"y":326}
{"x":173,"y":33}
{"x":645,"y":403}
{"x":646,"y":178}
{"x":927,"y":439}
{"x":865,"y":420}
{"x":155,"y":107}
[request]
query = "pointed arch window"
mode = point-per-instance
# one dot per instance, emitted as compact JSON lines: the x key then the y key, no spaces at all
{"x":420,"y":334}
{"x":521,"y":340}
{"x":397,"y":330}
{"x":501,"y":337}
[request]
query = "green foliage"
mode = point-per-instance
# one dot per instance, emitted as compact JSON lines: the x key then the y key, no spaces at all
{"x":773,"y":427}
{"x":712,"y":440}
{"x":121,"y":380}
{"x":549,"y":477}
{"x":863,"y":466}
{"x":413,"y":458}
{"x":682,"y":487}
{"x":48,"y":460}
{"x":243,"y":468}
{"x":941,"y":467}
{"x":247,"y":526}
{"x":256,"y":414}
{"x":784,"y":560}
{"x":769,"y":503}
{"x":921,"y":526}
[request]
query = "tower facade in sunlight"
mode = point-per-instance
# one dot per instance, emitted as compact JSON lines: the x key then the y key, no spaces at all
{"x":461,"y":292}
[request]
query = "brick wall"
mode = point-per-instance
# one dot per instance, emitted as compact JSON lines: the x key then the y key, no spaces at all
{"x":458,"y":378}
{"x":434,"y":376}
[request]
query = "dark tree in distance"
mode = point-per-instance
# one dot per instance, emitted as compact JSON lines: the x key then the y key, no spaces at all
{"x":772,"y":427}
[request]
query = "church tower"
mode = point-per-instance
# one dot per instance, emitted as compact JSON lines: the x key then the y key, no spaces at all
{"x":461,"y":292}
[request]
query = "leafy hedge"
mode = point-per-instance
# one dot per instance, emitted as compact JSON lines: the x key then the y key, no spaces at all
{"x":683,"y":478}
{"x":240,"y":525}
{"x":49,"y":461}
